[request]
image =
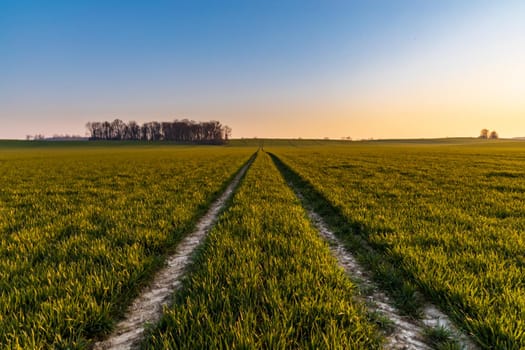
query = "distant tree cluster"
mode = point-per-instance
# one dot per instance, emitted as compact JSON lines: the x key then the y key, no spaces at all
{"x":55,"y":137}
{"x":37,"y":137}
{"x":187,"y":131}
{"x":485,"y":134}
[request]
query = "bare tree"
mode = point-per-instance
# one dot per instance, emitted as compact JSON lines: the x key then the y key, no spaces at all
{"x":117,"y":129}
{"x":484,"y":134}
{"x":134,"y":130}
{"x":227,"y":133}
{"x":212,"y":132}
{"x":145,"y":131}
{"x":156,"y":131}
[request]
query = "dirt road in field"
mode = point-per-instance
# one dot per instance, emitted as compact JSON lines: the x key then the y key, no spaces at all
{"x":147,"y":308}
{"x":407,"y":333}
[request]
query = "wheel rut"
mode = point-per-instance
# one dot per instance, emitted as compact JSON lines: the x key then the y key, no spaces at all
{"x":147,"y":308}
{"x":406,"y":333}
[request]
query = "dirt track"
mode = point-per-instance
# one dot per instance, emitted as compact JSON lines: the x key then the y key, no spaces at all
{"x":407,"y":333}
{"x":147,"y":307}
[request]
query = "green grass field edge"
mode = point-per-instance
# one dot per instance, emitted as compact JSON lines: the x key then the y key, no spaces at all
{"x":264,"y":278}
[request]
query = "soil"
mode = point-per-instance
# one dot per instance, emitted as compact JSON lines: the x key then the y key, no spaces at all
{"x":407,"y":333}
{"x":148,"y":306}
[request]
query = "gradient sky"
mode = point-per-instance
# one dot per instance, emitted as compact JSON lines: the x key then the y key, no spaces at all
{"x":302,"y":68}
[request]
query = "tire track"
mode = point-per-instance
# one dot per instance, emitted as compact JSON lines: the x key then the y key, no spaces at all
{"x":148,"y":306}
{"x":407,"y":333}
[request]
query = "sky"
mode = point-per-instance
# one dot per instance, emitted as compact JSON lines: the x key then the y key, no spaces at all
{"x":282,"y":69}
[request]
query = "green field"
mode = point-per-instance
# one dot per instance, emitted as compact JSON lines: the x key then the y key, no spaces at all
{"x":450,"y":218}
{"x":265,"y":280}
{"x":83,"y":226}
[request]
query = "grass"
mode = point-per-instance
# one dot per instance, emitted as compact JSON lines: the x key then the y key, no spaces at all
{"x":84,"y":225}
{"x":447,"y":219}
{"x":441,"y":338}
{"x":385,"y":274}
{"x":264,"y":279}
{"x":82,"y":228}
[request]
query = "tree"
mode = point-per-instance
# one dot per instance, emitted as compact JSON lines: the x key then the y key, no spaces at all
{"x":117,"y":128}
{"x":493,"y":135}
{"x":188,"y":131}
{"x":156,"y":131}
{"x":95,"y":130}
{"x":106,"y":130}
{"x":227,"y":133}
{"x":134,"y":130}
{"x":145,"y":131}
{"x":484,"y":134}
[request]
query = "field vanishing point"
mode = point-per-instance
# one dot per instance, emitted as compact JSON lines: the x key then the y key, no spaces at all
{"x":318,"y":244}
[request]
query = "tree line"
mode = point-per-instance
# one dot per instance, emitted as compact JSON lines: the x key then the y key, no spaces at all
{"x":187,"y":131}
{"x":486,"y":134}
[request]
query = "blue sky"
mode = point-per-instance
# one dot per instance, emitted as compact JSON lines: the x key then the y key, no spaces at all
{"x":266,"y":68}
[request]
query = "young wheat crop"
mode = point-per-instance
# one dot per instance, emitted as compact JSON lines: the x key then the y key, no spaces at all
{"x":82,"y":229}
{"x":264,"y":279}
{"x":450,"y":218}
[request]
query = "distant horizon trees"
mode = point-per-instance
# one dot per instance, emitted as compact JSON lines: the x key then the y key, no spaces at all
{"x":486,"y":134}
{"x":186,"y":131}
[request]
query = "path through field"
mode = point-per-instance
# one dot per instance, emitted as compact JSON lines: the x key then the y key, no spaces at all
{"x":407,"y":333}
{"x":147,"y":307}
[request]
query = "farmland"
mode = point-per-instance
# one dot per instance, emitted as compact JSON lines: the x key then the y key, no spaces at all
{"x":449,"y":219}
{"x":265,"y":279}
{"x":83,"y":227}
